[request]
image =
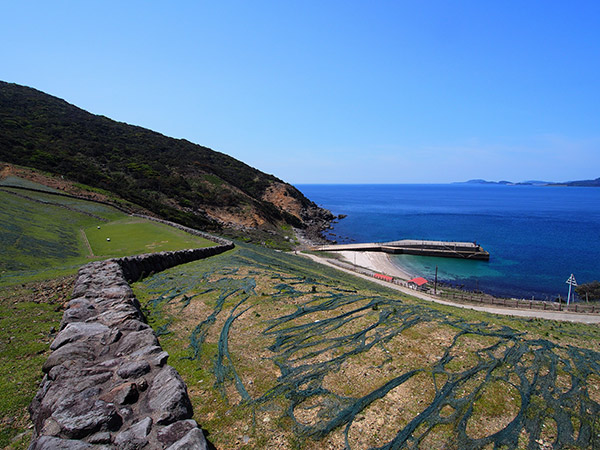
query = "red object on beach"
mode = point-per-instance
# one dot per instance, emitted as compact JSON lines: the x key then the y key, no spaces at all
{"x":384,"y":277}
{"x":419,"y":281}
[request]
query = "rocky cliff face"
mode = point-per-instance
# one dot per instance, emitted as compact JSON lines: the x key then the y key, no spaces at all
{"x":280,"y":195}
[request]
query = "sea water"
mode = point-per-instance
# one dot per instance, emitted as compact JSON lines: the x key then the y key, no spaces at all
{"x":536,"y":235}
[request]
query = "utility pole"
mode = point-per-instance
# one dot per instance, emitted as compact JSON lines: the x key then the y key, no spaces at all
{"x":571,"y":282}
{"x":435,"y":282}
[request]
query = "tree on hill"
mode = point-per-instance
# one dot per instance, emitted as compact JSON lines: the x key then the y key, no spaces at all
{"x":592,"y":290}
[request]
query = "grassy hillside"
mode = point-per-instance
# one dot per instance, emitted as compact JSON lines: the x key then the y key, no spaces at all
{"x":44,"y":240}
{"x":30,"y":315}
{"x":279,"y":352}
{"x":174,"y":178}
{"x":44,"y":236}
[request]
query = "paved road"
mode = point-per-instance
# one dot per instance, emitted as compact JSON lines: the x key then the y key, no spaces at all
{"x":551,"y":315}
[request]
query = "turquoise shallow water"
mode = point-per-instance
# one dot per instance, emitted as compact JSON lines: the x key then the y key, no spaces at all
{"x":537,"y":236}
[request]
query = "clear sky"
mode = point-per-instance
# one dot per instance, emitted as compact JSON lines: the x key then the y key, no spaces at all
{"x":333,"y":91}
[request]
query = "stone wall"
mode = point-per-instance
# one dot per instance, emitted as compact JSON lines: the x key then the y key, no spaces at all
{"x":137,"y":267}
{"x":106,"y":383}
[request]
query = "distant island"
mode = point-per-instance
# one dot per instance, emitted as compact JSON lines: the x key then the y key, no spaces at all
{"x":583,"y":183}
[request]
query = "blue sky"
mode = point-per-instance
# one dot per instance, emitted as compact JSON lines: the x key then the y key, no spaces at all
{"x":333,"y":91}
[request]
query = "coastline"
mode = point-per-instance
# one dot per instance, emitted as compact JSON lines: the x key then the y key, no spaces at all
{"x":376,"y":261}
{"x":381,"y":262}
{"x":523,"y":264}
{"x":563,"y":316}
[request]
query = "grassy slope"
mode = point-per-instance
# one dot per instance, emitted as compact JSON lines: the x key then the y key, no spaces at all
{"x":131,"y":235}
{"x":171,"y":177}
{"x":43,"y":241}
{"x":273,"y":348}
{"x":29,"y":317}
{"x":37,"y":238}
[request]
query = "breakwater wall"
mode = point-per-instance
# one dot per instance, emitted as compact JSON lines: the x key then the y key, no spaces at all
{"x":107,"y":383}
{"x":443,"y":249}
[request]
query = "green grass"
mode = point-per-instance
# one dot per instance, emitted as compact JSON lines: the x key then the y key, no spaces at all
{"x":40,"y":239}
{"x":23,"y":350}
{"x":41,"y":236}
{"x":131,"y":235}
{"x":21,"y":182}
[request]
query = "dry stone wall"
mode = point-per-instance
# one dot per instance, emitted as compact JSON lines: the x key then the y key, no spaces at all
{"x":107,"y":384}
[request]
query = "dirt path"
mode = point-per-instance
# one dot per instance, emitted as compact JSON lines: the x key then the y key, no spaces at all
{"x":87,"y":243}
{"x":551,"y":315}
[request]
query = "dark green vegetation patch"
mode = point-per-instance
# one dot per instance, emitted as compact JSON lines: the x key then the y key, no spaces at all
{"x":279,"y":352}
{"x":38,"y":233}
{"x":174,"y":178}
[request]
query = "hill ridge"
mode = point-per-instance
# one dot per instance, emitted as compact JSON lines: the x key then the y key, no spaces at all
{"x":174,"y":178}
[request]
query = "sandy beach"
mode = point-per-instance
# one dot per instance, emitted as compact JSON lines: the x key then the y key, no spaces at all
{"x":380,"y":262}
{"x":376,"y":261}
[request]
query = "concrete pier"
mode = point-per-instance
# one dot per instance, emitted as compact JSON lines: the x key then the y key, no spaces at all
{"x":461,"y":250}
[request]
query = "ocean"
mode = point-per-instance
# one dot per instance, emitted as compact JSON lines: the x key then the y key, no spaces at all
{"x":536,"y":235}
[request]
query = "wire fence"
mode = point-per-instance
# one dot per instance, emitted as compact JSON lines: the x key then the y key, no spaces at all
{"x":476,"y":297}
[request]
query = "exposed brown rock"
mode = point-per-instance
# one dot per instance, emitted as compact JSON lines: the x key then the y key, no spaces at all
{"x":280,"y":195}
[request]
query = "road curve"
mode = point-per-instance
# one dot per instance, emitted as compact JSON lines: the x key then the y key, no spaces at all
{"x":564,"y":316}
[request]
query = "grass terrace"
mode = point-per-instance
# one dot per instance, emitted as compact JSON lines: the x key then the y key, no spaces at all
{"x":46,"y":236}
